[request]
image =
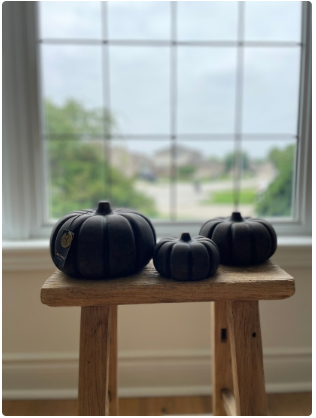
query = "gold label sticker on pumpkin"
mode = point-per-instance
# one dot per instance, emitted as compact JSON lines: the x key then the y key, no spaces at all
{"x":62,"y":248}
{"x":66,"y":239}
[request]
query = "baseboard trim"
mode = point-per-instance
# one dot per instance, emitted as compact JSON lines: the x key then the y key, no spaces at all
{"x":144,"y":392}
{"x":142,"y":355}
{"x":20,"y":394}
{"x":144,"y":373}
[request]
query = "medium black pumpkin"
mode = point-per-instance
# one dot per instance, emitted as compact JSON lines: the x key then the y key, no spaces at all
{"x":241,"y":241}
{"x":186,"y":258}
{"x":105,"y":242}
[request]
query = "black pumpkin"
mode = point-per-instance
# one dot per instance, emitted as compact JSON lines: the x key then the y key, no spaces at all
{"x":241,"y":241}
{"x":186,"y":258}
{"x":106,"y":243}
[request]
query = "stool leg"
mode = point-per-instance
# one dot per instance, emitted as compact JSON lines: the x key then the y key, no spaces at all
{"x":247,"y":361}
{"x":221,"y":357}
{"x":112,"y":392}
{"x":94,"y":360}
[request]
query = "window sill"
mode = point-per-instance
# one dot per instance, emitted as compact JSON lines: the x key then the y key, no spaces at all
{"x":33,"y":255}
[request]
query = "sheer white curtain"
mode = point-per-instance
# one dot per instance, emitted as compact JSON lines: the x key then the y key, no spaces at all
{"x":20,"y":124}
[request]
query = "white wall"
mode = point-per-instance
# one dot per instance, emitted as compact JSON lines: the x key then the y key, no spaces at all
{"x":163,"y":349}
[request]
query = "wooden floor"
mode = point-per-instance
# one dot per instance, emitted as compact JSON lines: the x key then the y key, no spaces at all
{"x":292,"y":404}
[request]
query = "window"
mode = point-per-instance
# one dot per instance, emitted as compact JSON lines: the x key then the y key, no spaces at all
{"x":167,"y":106}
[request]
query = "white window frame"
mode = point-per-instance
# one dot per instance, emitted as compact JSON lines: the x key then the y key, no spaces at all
{"x":24,"y":202}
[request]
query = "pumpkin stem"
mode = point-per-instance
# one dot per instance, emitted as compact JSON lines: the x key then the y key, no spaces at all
{"x":103,"y":208}
{"x":236,"y":217}
{"x":185,"y":236}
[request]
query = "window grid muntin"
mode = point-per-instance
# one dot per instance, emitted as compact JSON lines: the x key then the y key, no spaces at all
{"x":238,"y":104}
{"x":129,"y":42}
{"x":173,"y":43}
{"x":173,"y":110}
{"x":106,"y":93}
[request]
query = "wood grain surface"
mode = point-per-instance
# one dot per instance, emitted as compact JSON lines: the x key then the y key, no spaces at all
{"x":94,"y":361}
{"x":222,"y":377}
{"x":112,"y":390}
{"x":247,"y":359}
{"x":229,"y":403}
{"x":263,"y":282}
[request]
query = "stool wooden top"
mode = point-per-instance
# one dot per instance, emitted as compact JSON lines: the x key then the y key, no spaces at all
{"x":263,"y":282}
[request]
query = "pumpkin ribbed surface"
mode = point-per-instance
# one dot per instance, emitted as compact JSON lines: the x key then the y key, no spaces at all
{"x":186,"y":258}
{"x":107,"y":243}
{"x":241,"y":241}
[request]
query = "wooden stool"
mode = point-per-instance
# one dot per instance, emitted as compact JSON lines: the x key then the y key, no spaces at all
{"x":238,"y":376}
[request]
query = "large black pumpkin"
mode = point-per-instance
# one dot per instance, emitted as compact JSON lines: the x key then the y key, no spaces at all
{"x":186,"y":258}
{"x":241,"y":241}
{"x":105,"y":242}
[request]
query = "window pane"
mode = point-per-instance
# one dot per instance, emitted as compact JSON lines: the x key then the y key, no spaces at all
{"x":144,"y":165}
{"x":72,"y":89}
{"x":206,"y":171}
{"x":207,"y":20}
{"x":273,"y":20}
{"x":204,"y":179}
{"x":267,"y":180}
{"x":84,"y":167}
{"x":134,"y":174}
{"x":139,"y":19}
{"x":70,"y":19}
{"x":206,"y":90}
{"x":271,"y":87}
{"x":78,"y":174}
{"x":140,"y":91}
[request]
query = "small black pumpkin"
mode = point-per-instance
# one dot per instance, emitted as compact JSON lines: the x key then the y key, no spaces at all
{"x":102,"y":243}
{"x":241,"y":241}
{"x":186,"y":258}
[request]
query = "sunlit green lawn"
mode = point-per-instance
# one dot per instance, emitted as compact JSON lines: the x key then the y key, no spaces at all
{"x":247,"y":196}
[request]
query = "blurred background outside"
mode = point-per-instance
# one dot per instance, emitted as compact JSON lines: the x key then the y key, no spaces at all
{"x":143,"y":102}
